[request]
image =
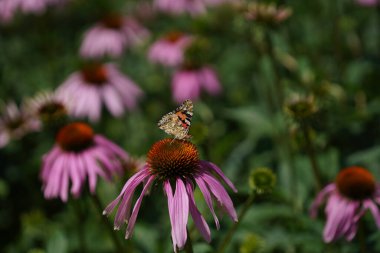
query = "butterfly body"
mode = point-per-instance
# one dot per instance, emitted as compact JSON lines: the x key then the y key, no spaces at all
{"x":177,"y":122}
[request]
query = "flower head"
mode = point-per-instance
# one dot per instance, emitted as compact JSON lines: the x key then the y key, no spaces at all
{"x":267,"y":13}
{"x":15,"y":123}
{"x":169,"y":49}
{"x":176,"y":164}
{"x":354,"y":191}
{"x":96,"y":84}
{"x":8,"y":8}
{"x":368,"y":3}
{"x":187,"y":83}
{"x":48,"y":108}
{"x":262,"y":180}
{"x":177,"y":7}
{"x":111,"y":36}
{"x":79,"y":155}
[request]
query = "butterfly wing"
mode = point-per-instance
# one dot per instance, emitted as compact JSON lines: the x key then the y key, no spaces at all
{"x":177,"y":122}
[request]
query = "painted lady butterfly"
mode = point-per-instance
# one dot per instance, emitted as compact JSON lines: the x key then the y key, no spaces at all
{"x":178,"y":122}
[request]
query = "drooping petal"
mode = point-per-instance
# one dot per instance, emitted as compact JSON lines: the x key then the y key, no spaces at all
{"x":320,"y":198}
{"x":207,"y":196}
{"x":221,"y":195}
{"x":374,"y":210}
{"x":169,"y":194}
{"x":219,"y":172}
{"x":180,"y":214}
{"x":136,"y":208}
{"x":199,"y":221}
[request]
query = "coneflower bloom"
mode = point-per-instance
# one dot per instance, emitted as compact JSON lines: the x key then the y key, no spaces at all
{"x":8,"y":8}
{"x":47,"y":108}
{"x":354,"y":191}
{"x":79,"y":155}
{"x":188,"y":83}
{"x":96,"y":84}
{"x":194,"y":7}
{"x":175,"y":164}
{"x":15,"y":123}
{"x":368,"y":3}
{"x":169,"y":50}
{"x":111,"y":36}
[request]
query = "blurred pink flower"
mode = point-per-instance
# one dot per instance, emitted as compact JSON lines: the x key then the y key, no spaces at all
{"x":79,"y":155}
{"x":169,"y":49}
{"x":8,"y":8}
{"x":353,"y":192}
{"x":176,"y":7}
{"x":368,"y":3}
{"x":176,"y":164}
{"x":187,"y":83}
{"x":96,"y":84}
{"x":15,"y":123}
{"x":111,"y":36}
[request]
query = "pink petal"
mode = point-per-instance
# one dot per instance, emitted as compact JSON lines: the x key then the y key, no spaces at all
{"x":136,"y":208}
{"x":221,"y":195}
{"x":320,"y":198}
{"x":199,"y":221}
{"x":220,"y":173}
{"x":180,"y":214}
{"x":207,"y":196}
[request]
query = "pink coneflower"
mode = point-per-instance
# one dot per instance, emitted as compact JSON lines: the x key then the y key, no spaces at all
{"x":96,"y":84}
{"x":111,"y":36}
{"x":169,"y":49}
{"x":8,"y":8}
{"x":176,"y":7}
{"x":47,"y":108}
{"x":188,"y":83}
{"x":353,"y":192}
{"x":15,"y":123}
{"x":368,"y":3}
{"x":79,"y":155}
{"x":176,"y":164}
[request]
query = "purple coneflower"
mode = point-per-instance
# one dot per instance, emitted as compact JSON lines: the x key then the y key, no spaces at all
{"x":8,"y":8}
{"x":79,"y":154}
{"x":176,"y":164}
{"x":176,"y":7}
{"x":353,"y":192}
{"x":368,"y":3}
{"x":111,"y":36}
{"x":15,"y":123}
{"x":169,"y":49}
{"x":188,"y":83}
{"x":96,"y":83}
{"x":47,"y":108}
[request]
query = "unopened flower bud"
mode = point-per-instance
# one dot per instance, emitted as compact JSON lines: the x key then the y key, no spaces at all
{"x":262,"y":180}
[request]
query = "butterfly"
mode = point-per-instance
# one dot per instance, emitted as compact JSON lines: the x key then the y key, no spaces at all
{"x":178,"y":122}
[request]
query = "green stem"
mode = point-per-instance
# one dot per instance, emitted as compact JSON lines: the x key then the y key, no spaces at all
{"x":189,"y":244}
{"x":362,"y":241}
{"x":312,"y":157}
{"x":81,"y":218}
{"x":107,"y":224}
{"x":228,"y":237}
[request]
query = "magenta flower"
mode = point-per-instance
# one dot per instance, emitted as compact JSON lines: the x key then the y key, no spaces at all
{"x":96,"y":84}
{"x":77,"y":156}
{"x":176,"y":7}
{"x":8,"y":8}
{"x":169,"y":50}
{"x":176,"y":164}
{"x":368,"y":3}
{"x":111,"y":36}
{"x":353,"y":192}
{"x":187,"y":83}
{"x":15,"y":123}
